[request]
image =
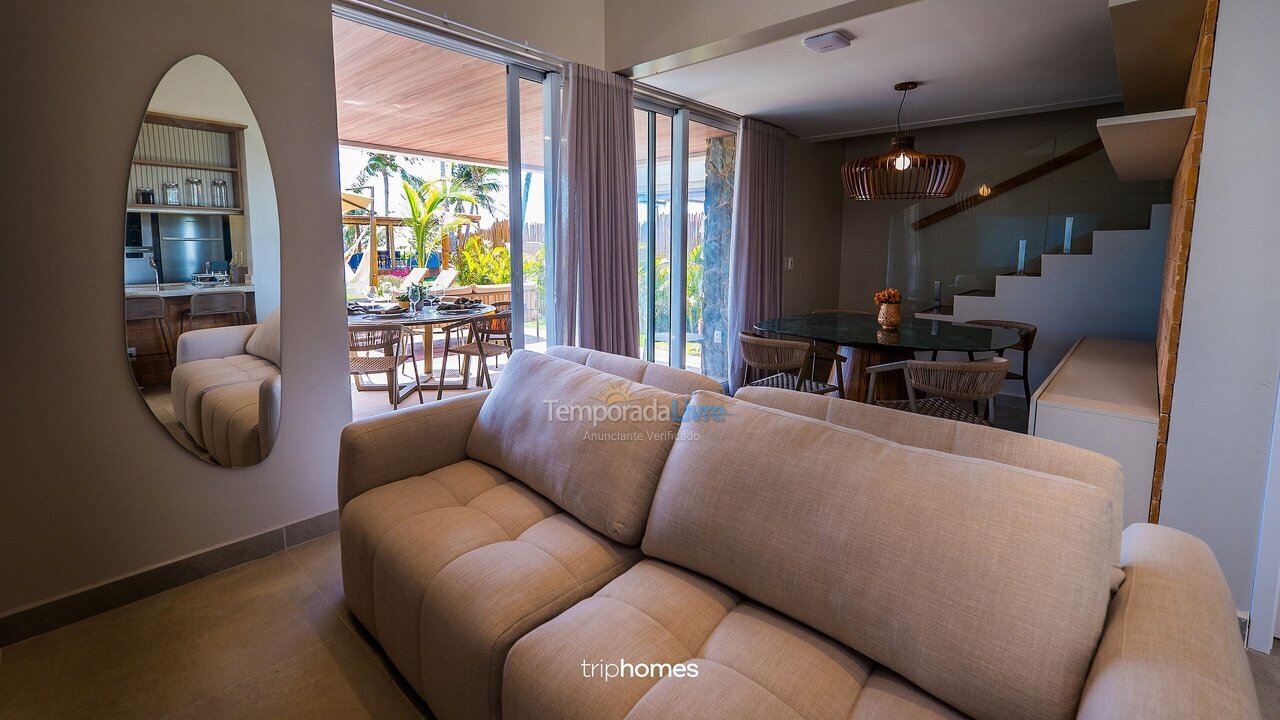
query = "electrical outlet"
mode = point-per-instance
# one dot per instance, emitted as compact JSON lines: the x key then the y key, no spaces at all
{"x":133,"y":353}
{"x":791,"y":263}
{"x":716,"y":337}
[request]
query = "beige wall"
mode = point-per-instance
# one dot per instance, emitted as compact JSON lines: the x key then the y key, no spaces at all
{"x":811,"y":225}
{"x":92,"y":487}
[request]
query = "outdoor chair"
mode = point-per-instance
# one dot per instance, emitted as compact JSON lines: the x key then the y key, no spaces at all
{"x":474,"y":346}
{"x":388,"y":342}
{"x":790,"y":362}
{"x":945,"y":383}
{"x":497,"y":328}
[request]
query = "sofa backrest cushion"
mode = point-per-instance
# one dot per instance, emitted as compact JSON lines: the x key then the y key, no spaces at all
{"x":1009,"y":448}
{"x":984,"y":584}
{"x":265,"y":341}
{"x":681,"y":382}
{"x":591,"y":442}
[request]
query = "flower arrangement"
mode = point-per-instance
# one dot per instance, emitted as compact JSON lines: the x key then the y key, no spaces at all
{"x":888,"y":296}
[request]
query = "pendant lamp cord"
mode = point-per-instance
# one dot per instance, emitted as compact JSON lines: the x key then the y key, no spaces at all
{"x":901,"y":102}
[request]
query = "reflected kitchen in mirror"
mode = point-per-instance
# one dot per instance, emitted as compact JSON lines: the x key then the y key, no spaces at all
{"x":202,"y":267}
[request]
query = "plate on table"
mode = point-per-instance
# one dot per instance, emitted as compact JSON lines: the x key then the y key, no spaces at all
{"x":455,"y":310}
{"x":386,"y":315}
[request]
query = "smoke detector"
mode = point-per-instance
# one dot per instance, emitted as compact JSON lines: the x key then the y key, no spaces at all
{"x":826,"y":42}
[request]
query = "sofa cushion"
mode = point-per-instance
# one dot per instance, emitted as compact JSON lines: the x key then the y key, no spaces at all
{"x":966,"y":439}
{"x":191,"y":381}
{"x":984,"y":584}
{"x":265,"y":341}
{"x":450,"y":568}
{"x":676,"y":380}
{"x":750,"y":661}
{"x":591,"y":442}
{"x":229,"y":418}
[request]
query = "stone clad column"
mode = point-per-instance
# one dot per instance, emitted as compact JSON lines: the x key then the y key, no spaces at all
{"x":717,"y":208}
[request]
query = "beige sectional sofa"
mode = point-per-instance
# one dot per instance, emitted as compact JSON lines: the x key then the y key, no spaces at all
{"x":225,"y":389}
{"x":813,"y":558}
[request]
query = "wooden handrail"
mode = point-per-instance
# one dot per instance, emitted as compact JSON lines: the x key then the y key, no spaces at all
{"x":999,"y":189}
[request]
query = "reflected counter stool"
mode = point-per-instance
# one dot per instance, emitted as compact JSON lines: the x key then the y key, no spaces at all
{"x":216,"y":303}
{"x":151,"y":308}
{"x":790,"y":362}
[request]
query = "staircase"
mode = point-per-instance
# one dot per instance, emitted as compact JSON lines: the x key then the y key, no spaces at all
{"x":1109,"y":286}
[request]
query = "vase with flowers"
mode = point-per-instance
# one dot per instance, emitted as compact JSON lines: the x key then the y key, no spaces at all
{"x":889,"y":302}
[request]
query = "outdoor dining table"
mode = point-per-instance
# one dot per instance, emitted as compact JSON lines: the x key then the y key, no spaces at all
{"x":862,"y":340}
{"x":427,"y":317}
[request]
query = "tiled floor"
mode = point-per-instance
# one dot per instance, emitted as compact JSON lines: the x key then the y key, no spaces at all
{"x":271,"y":639}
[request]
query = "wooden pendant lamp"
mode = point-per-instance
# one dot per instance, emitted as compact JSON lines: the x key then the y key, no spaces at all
{"x":903,"y":173}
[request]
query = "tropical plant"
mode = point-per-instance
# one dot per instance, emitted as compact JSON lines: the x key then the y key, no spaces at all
{"x":385,"y":165}
{"x":481,"y":183}
{"x":429,"y":204}
{"x":480,"y":262}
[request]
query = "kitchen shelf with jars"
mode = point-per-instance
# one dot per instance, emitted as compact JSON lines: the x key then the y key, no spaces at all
{"x":186,"y":165}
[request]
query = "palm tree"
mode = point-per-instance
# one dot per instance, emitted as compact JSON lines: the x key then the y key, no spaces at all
{"x":429,"y":203}
{"x":479,"y":181}
{"x":380,"y":164}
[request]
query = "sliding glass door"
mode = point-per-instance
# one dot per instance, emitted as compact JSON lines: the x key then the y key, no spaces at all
{"x":685,"y":214}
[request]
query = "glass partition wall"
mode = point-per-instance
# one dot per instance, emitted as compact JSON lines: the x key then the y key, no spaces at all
{"x":684,"y":210}
{"x":1003,"y":219}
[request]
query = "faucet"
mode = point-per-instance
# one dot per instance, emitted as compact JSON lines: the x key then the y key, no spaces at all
{"x":156,"y":271}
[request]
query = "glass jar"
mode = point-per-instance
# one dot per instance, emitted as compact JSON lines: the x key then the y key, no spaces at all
{"x":218,"y":194}
{"x":145,"y":196}
{"x":195,"y":192}
{"x":171,"y":194}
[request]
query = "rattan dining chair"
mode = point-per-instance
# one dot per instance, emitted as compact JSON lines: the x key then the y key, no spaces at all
{"x":790,"y":362}
{"x":497,"y":328}
{"x":151,"y":308}
{"x":474,"y":346}
{"x":388,"y":341}
{"x":215,"y":303}
{"x":945,"y":383}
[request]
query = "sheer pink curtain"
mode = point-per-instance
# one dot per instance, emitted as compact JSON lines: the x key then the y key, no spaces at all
{"x":755,"y":272}
{"x":597,"y":294}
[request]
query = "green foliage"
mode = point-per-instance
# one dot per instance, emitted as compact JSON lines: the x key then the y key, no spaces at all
{"x":535,"y":266}
{"x":480,"y":182}
{"x":479,"y":262}
{"x":428,"y":219}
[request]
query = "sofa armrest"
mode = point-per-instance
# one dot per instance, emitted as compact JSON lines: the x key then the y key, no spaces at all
{"x":213,"y":343}
{"x":405,"y":443}
{"x":268,"y":413}
{"x":1171,"y":646}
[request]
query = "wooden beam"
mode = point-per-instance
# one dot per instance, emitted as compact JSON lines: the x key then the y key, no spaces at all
{"x":1018,"y":180}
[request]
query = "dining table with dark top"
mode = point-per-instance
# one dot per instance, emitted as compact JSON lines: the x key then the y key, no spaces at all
{"x":424,"y":321}
{"x":860,"y":338}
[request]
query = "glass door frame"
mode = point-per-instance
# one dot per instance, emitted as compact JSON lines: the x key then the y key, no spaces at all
{"x":678,"y":262}
{"x":521,"y":64}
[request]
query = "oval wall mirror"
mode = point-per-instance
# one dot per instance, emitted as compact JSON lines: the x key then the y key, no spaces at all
{"x":202,"y":267}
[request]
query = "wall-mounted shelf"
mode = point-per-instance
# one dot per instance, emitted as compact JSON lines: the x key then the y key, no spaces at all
{"x":186,"y":166}
{"x":1155,"y":41}
{"x":183,"y":210}
{"x":1147,"y":146}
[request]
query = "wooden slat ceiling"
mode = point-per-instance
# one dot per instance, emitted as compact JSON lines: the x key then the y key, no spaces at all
{"x":399,"y":93}
{"x":403,"y":94}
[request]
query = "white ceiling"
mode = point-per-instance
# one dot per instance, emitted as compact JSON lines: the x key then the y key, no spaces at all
{"x":974,"y":59}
